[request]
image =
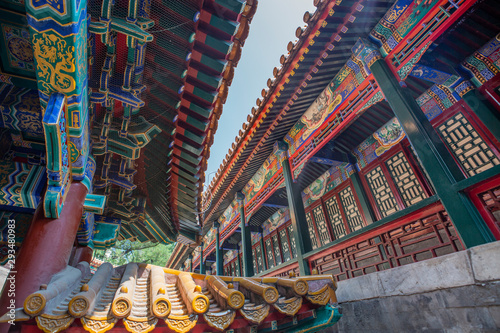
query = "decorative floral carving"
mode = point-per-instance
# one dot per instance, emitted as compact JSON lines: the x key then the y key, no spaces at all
{"x":236,"y":300}
{"x":181,"y":324}
{"x":78,"y":307}
{"x":290,"y":306}
{"x":320,"y":297}
{"x":50,"y":325}
{"x":220,"y":320}
{"x":200,"y":305}
{"x":301,"y":287}
{"x":121,"y":307}
{"x":255,"y":314}
{"x":98,"y":326}
{"x":271,"y":295}
{"x":140,"y":326}
{"x":34,"y":303}
{"x":162,"y":308}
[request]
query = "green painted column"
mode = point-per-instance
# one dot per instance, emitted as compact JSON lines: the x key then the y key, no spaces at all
{"x":202,"y":262}
{"x":366,"y":208}
{"x":190,"y":263}
{"x":435,"y":159}
{"x":483,"y":110}
{"x":297,"y":215}
{"x":246,"y":238}
{"x":219,"y":252}
{"x":261,"y":244}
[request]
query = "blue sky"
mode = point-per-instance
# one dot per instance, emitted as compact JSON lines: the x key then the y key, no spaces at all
{"x":272,"y":27}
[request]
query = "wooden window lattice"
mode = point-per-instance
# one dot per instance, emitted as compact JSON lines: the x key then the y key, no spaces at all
{"x":417,"y":240}
{"x":335,"y":216}
{"x":405,"y":179}
{"x":319,"y":218}
{"x":269,"y":252}
{"x":466,"y":144}
{"x":312,"y":232}
{"x":384,"y":198}
{"x":260,"y":260}
{"x":491,"y":201}
{"x":354,"y":219}
{"x":293,"y":246}
{"x":277,"y":251}
{"x":285,"y":248}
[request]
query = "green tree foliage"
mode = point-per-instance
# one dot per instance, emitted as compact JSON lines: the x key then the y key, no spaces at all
{"x":126,"y":251}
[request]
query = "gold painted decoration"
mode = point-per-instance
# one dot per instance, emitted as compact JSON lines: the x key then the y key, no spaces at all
{"x":53,"y":325}
{"x":181,"y":324}
{"x":301,"y":287}
{"x":161,"y":308}
{"x":34,"y":304}
{"x":255,"y":314}
{"x":271,"y":295}
{"x":201,"y":304}
{"x":320,"y":297}
{"x":236,"y":300}
{"x":55,"y":63}
{"x":78,"y":307}
{"x":289,"y":306}
{"x":220,"y":320}
{"x":140,"y":326}
{"x":98,"y":325}
{"x":141,"y":295}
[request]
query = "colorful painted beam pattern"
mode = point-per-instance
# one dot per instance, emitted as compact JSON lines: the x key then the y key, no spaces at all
{"x":59,"y":38}
{"x":403,"y":16}
{"x":54,"y":124}
{"x":332,"y":178}
{"x":269,"y":168}
{"x":339,"y":89}
{"x":106,"y":231}
{"x":20,"y":110}
{"x":484,"y":64}
{"x":21,"y":185}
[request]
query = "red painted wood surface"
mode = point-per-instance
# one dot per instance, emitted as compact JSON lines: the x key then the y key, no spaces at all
{"x":46,"y":249}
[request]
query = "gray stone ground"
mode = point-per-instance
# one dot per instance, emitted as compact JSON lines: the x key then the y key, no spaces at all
{"x":456,"y":293}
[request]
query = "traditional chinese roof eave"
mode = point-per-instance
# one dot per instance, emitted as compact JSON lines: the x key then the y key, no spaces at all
{"x":143,"y":297}
{"x":253,"y":145}
{"x":174,"y":190}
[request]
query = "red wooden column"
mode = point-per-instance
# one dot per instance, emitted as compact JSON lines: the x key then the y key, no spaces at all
{"x":82,"y":253}
{"x":46,"y":249}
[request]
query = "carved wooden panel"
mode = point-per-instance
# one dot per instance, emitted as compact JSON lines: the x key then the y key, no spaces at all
{"x":384,"y":198}
{"x":285,"y":247}
{"x":354,"y":219}
{"x":466,"y":144}
{"x":405,"y":179}
{"x":410,"y":241}
{"x":333,"y":210}
{"x":293,"y":246}
{"x":312,"y":233}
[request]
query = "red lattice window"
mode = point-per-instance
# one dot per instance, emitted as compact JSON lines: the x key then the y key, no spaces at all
{"x":394,"y":182}
{"x":279,"y":246}
{"x":467,"y":139}
{"x":425,"y":234}
{"x":334,"y":215}
{"x":486,"y":197}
